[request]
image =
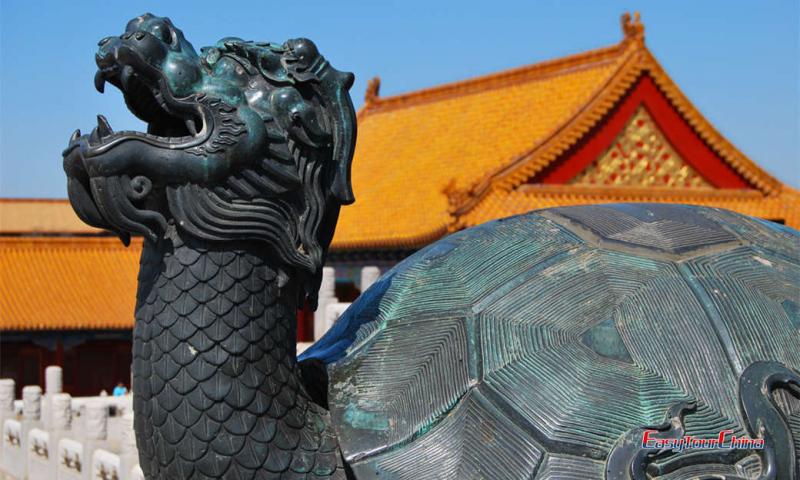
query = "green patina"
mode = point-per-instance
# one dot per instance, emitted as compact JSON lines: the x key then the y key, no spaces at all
{"x":605,"y":340}
{"x":365,"y":420}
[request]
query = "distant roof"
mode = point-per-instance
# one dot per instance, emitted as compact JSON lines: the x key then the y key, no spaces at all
{"x":436,"y":160}
{"x":51,"y":283}
{"x":32,"y":216}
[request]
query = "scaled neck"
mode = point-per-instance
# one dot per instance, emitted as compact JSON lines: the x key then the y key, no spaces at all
{"x":214,"y":364}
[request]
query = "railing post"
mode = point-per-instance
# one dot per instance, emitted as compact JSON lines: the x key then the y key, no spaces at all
{"x":7,"y":387}
{"x":61,"y":413}
{"x":333,"y":311}
{"x":96,"y":423}
{"x":7,"y":390}
{"x":129,"y":456}
{"x":327,"y":295}
{"x":52,"y":386}
{"x":95,"y":430}
{"x":31,"y":417}
{"x":32,"y":403}
{"x":53,"y":380}
{"x":369,"y":275}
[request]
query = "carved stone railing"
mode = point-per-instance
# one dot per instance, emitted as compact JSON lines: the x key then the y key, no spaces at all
{"x":54,"y":436}
{"x":329,"y":307}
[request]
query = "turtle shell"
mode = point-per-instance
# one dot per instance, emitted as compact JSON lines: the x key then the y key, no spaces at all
{"x":529,"y":347}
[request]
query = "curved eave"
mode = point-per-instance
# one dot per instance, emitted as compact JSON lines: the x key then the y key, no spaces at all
{"x":637,"y":61}
{"x":783,"y":206}
{"x":406,"y":241}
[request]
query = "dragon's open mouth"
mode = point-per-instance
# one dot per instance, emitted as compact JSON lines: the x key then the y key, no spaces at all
{"x":171,"y":122}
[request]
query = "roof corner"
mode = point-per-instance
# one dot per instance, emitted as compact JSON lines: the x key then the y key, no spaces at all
{"x":632,"y":28}
{"x":372,"y":95}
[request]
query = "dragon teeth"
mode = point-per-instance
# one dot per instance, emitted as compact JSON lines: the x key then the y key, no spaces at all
{"x":125,"y":77}
{"x":100,"y":81}
{"x":103,"y":127}
{"x":191,"y":126}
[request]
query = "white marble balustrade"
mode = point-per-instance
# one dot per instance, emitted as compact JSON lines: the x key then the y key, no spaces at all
{"x":329,"y":308}
{"x":57,"y":437}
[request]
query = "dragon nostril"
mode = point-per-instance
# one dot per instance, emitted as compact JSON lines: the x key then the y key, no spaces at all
{"x":138,"y":35}
{"x":103,"y":41}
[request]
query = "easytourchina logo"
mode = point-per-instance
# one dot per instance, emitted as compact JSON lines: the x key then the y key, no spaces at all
{"x":725,"y":440}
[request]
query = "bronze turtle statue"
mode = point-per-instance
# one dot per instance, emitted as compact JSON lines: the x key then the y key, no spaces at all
{"x":544,"y":345}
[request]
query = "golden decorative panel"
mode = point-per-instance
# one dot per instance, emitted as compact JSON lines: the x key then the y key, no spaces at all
{"x":641,"y":157}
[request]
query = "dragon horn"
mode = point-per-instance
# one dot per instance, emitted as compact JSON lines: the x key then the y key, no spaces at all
{"x":334,"y":86}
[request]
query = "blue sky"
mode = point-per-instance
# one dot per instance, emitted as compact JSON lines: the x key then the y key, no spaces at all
{"x":736,"y":60}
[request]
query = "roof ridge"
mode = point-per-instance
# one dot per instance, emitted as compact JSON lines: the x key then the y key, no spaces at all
{"x":589,"y":190}
{"x":530,"y":72}
{"x":32,"y":200}
{"x":66,"y":242}
{"x":781,"y":207}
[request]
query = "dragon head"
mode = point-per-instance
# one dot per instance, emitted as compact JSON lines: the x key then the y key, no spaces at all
{"x":244,"y":140}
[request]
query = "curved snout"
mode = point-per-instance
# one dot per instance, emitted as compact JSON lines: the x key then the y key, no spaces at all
{"x":79,"y":189}
{"x":110,"y":202}
{"x":130,"y":48}
{"x":116,"y":180}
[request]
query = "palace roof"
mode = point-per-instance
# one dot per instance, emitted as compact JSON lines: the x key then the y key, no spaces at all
{"x":55,"y":283}
{"x":437,"y":160}
{"x":32,"y":216}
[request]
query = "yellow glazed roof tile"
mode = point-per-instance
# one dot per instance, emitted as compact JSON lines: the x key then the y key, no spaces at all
{"x":499,"y":204}
{"x":27,"y":216}
{"x":67,"y":283}
{"x":412,"y":148}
